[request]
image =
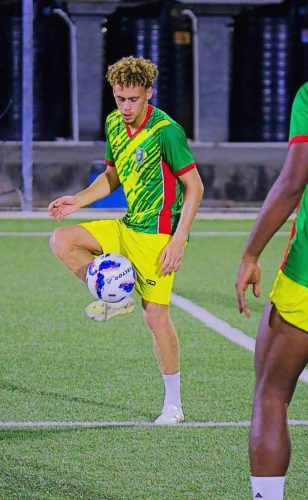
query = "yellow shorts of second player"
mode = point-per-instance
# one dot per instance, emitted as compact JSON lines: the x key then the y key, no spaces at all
{"x":291,"y":301}
{"x":143,"y":250}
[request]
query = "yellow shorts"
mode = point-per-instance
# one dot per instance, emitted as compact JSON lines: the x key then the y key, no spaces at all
{"x":142,"y":249}
{"x":291,"y":301}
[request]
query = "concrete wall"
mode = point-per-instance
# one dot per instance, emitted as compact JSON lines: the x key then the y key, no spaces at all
{"x":233,"y":174}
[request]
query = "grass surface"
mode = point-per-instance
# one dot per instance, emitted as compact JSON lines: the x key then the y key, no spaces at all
{"x":56,"y":364}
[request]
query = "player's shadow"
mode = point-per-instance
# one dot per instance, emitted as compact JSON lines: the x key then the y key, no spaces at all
{"x":64,"y":397}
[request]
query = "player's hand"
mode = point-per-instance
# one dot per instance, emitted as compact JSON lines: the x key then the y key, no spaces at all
{"x":61,"y":207}
{"x":171,"y":257}
{"x":249,"y":273}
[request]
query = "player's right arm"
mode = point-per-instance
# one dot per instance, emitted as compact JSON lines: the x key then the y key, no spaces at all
{"x":279,"y":204}
{"x":103,"y":185}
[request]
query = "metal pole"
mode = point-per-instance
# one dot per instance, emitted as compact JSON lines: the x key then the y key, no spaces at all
{"x":27,"y":103}
{"x":196,"y":82}
{"x":73,"y":61}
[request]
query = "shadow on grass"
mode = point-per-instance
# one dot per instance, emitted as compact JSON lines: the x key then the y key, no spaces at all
{"x":64,"y":397}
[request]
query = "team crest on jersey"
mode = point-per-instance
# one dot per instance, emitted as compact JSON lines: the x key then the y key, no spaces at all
{"x":139,"y":155}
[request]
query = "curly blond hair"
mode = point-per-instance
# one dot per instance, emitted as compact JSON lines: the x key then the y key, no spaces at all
{"x":132,"y":71}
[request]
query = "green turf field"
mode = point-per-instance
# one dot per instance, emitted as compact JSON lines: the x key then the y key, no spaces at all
{"x":57,"y":365}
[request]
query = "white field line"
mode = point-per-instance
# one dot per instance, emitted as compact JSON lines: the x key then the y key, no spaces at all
{"x":220,"y":326}
{"x":93,"y":214}
{"x":25,"y":233}
{"x":91,"y":425}
{"x":193,"y":233}
{"x":231,"y":233}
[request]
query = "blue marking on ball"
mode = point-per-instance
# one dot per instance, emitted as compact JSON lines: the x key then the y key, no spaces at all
{"x":127,"y":287}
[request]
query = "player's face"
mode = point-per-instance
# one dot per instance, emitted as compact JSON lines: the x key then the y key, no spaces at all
{"x":132,"y":103}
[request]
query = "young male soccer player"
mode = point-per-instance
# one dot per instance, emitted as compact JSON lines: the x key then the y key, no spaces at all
{"x":147,"y":153}
{"x":282,"y":340}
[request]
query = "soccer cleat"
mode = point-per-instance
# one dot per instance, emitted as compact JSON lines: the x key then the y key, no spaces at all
{"x":102,"y":311}
{"x":170,"y":415}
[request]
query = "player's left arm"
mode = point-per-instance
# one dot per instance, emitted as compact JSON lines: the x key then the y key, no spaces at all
{"x":172,"y":255}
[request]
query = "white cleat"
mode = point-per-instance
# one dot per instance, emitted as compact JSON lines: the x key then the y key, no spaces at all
{"x":102,"y":311}
{"x":170,"y":415}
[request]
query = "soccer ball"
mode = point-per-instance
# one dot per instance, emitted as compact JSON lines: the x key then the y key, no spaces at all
{"x":111,"y":277}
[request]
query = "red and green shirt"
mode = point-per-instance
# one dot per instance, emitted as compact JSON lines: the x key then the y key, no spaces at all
{"x":148,"y":164}
{"x":295,"y":262}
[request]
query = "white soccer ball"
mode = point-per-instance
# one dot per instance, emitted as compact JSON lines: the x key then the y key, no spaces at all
{"x":111,"y":277}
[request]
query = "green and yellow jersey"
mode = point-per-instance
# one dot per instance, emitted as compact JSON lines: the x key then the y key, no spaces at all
{"x":294,"y":264}
{"x":148,"y":164}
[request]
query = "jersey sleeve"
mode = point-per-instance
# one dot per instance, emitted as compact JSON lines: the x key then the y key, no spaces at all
{"x":299,"y":116}
{"x":109,"y":160}
{"x":175,"y":149}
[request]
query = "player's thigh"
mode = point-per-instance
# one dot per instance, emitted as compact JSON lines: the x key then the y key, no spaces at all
{"x":106,"y":233}
{"x":281,"y":354}
{"x":144,"y":251}
{"x":68,"y":237}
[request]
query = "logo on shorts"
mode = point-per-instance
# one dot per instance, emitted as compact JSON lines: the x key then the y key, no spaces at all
{"x":150,"y":282}
{"x":139,"y":155}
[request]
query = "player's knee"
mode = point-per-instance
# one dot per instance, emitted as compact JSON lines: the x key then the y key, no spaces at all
{"x":270,"y":401}
{"x":59,"y":240}
{"x":150,"y":320}
{"x":154,"y":317}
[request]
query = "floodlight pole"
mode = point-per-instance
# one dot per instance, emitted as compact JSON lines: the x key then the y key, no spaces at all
{"x":74,"y":77}
{"x":196,"y":73}
{"x":27,"y":103}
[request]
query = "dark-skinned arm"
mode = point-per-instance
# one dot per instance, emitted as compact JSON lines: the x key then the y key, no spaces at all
{"x":279,"y":204}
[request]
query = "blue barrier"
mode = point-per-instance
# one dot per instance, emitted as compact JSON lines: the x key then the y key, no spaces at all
{"x":116,"y":199}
